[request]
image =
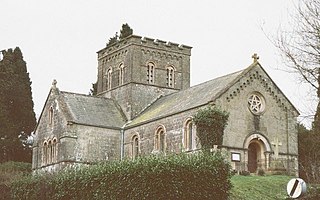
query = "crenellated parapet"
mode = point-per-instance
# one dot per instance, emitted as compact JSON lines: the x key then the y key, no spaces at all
{"x":145,"y":42}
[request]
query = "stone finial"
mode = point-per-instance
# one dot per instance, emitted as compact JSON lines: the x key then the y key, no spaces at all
{"x":255,"y":57}
{"x":54,"y":88}
{"x":54,"y":83}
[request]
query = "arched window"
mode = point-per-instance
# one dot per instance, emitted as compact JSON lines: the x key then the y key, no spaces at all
{"x":45,"y":153}
{"x":50,"y":152}
{"x":160,"y":139}
{"x":188,"y":136}
{"x":135,"y":146}
{"x":51,"y":115}
{"x":121,"y":74}
{"x":109,"y":79}
{"x":54,"y":150}
{"x":170,"y":76}
{"x":150,"y":73}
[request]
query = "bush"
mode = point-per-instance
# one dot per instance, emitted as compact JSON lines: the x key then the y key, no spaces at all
{"x":245,"y":173}
{"x":10,"y":171}
{"x":313,"y":192}
{"x":261,"y":172}
{"x":200,"y":176}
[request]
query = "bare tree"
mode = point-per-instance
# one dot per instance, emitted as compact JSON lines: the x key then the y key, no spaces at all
{"x":301,"y":50}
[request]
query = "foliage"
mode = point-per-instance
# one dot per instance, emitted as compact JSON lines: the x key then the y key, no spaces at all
{"x":301,"y":50}
{"x":124,"y":32}
{"x":113,"y":40}
{"x":10,"y":171}
{"x":313,"y":192}
{"x":309,"y":154}
{"x":16,"y":105}
{"x":261,"y":172}
{"x":198,"y":176}
{"x":93,"y":90}
{"x":300,"y":47}
{"x":210,"y":122}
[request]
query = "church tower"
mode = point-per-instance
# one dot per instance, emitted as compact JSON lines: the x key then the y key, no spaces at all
{"x":136,"y":71}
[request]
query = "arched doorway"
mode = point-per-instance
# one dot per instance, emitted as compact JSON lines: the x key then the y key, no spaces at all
{"x":258,"y":152}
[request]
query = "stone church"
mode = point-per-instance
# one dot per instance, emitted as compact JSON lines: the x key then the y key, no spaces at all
{"x":144,"y":105}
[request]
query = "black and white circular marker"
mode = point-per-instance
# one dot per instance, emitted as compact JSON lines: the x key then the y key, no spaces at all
{"x":296,"y":187}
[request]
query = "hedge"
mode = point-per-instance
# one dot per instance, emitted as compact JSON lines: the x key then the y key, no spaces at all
{"x":196,"y":176}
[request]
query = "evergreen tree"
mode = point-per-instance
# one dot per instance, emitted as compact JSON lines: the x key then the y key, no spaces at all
{"x":125,"y":31}
{"x":16,"y":106}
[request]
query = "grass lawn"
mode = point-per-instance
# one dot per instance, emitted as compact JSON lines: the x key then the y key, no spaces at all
{"x":259,"y":187}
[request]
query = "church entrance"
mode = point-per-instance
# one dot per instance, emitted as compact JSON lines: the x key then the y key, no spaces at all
{"x":258,"y":152}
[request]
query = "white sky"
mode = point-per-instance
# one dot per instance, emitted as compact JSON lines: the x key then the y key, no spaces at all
{"x":59,"y":39}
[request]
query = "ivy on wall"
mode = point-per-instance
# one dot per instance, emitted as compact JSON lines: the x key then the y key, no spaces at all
{"x":211,"y":122}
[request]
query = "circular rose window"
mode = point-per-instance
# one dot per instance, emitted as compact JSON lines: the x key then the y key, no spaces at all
{"x":256,"y":103}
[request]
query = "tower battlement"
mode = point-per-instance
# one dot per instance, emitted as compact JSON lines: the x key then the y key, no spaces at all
{"x":145,"y":41}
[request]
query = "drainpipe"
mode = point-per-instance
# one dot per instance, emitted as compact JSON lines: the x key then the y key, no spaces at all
{"x":122,"y":130}
{"x":287,"y":132}
{"x":122,"y":143}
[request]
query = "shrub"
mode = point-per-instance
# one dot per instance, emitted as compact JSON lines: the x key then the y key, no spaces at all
{"x":199,"y":176}
{"x":245,"y":173}
{"x":10,"y":171}
{"x":261,"y":172}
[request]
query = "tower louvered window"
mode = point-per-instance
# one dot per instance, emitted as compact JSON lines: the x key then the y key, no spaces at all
{"x":150,"y":73}
{"x":170,"y":77}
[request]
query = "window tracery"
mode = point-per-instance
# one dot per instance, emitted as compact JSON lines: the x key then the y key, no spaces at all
{"x":49,"y":151}
{"x":256,"y":103}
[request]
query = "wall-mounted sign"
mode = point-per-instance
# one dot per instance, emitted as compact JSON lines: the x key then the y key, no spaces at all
{"x":235,"y":157}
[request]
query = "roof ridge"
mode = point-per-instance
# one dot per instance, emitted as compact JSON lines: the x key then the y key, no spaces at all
{"x":216,"y":78}
{"x":85,"y":95}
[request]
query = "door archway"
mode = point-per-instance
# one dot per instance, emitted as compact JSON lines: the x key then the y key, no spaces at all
{"x":258,"y":152}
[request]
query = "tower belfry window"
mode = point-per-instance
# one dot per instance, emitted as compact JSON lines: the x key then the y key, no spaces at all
{"x":109,"y":79}
{"x":150,"y":73}
{"x":170,"y":76}
{"x":121,"y":74}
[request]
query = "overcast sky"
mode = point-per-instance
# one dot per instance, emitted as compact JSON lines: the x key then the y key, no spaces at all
{"x":59,"y":39}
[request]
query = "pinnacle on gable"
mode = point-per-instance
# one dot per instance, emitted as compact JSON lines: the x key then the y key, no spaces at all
{"x":54,"y":87}
{"x":54,"y":83}
{"x":255,"y":57}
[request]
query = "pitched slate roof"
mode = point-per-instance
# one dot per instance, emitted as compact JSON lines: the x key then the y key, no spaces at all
{"x":194,"y":97}
{"x":93,"y":111}
{"x":187,"y":99}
